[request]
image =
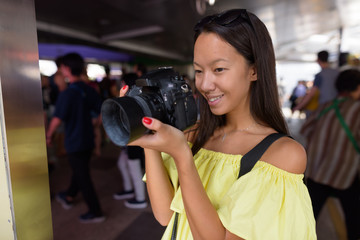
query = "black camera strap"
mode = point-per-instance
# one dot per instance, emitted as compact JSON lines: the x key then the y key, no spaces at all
{"x":248,"y":161}
{"x":174,"y":231}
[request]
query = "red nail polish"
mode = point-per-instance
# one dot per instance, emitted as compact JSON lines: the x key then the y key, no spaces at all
{"x":147,"y":120}
{"x":124,"y":87}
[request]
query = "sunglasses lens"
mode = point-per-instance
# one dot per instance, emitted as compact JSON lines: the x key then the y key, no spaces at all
{"x":203,"y":22}
{"x":226,"y":19}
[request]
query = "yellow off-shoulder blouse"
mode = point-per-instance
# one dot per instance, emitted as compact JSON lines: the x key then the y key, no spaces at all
{"x":267,"y":203}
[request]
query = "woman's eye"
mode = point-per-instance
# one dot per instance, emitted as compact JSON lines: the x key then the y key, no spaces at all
{"x":219,"y":69}
{"x":197,"y":71}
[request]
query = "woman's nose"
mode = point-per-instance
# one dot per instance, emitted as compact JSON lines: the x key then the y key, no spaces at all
{"x":206,"y":83}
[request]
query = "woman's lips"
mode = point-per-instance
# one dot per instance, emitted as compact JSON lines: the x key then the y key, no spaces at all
{"x":214,"y":99}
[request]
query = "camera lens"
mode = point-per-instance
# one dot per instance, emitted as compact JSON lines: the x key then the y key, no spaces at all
{"x":160,"y":94}
{"x":122,"y":120}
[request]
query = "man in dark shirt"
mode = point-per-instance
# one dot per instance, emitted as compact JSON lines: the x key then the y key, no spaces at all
{"x":324,"y":82}
{"x":75,"y":107}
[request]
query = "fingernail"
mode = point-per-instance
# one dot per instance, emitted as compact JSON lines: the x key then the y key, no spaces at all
{"x":147,"y":120}
{"x":124,"y":87}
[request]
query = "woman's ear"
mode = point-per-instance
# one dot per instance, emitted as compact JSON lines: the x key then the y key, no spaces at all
{"x":253,"y":73}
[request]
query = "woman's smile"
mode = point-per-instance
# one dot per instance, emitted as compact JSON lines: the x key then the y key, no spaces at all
{"x":213,"y":100}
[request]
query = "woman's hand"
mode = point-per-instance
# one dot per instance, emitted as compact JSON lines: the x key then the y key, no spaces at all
{"x":123,"y":90}
{"x":165,"y":138}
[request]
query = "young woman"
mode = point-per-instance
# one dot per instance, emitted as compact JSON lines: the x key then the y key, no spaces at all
{"x":193,"y":185}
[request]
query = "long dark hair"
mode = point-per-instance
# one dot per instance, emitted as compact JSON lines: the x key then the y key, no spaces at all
{"x":249,"y":36}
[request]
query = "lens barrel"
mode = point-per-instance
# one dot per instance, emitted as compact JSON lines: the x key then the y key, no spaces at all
{"x":122,"y":120}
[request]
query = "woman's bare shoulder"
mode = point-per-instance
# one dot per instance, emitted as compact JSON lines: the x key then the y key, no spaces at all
{"x":286,"y":154}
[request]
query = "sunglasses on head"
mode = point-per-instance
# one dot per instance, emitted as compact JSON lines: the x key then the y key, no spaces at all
{"x":226,"y":19}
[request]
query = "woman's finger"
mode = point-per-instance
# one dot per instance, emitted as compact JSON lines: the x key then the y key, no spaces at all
{"x":148,"y":139}
{"x":152,"y":123}
{"x":123,"y":90}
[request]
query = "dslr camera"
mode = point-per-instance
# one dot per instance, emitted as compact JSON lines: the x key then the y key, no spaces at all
{"x":162,"y":94}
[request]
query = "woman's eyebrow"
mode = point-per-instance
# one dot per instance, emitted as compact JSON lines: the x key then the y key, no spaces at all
{"x":195,"y":63}
{"x":213,"y":62}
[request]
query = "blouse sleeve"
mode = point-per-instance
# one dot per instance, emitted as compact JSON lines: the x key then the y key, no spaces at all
{"x":171,"y":170}
{"x":268,"y":203}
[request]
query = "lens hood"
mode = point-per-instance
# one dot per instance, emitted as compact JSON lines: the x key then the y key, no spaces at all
{"x":122,"y":120}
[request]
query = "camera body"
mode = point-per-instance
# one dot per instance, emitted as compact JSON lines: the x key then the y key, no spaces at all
{"x":162,"y":94}
{"x":166,"y":96}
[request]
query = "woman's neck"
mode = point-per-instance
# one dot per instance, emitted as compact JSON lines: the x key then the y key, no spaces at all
{"x":239,"y":120}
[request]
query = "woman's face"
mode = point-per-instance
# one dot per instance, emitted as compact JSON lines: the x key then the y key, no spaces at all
{"x":222,"y":75}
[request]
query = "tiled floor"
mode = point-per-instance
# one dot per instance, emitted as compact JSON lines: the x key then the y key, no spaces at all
{"x":129,"y":224}
{"x":119,"y":219}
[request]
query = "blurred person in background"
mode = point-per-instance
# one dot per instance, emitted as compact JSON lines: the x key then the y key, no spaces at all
{"x":130,"y":163}
{"x":324,"y":83}
{"x":52,"y":86}
{"x":140,"y":69}
{"x":96,"y":118}
{"x":74,"y":107}
{"x":333,"y":137}
{"x":45,"y":89}
{"x":105,"y":84}
{"x":57,"y":84}
{"x":297,"y":94}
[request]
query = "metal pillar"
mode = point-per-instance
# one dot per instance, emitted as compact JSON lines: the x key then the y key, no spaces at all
{"x":25,"y":211}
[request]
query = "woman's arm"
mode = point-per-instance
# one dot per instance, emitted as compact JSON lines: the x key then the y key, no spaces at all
{"x":158,"y":184}
{"x":54,"y":124}
{"x":203,"y":218}
{"x":159,"y":187}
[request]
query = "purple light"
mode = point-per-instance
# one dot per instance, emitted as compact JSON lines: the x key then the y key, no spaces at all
{"x":52,"y":51}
